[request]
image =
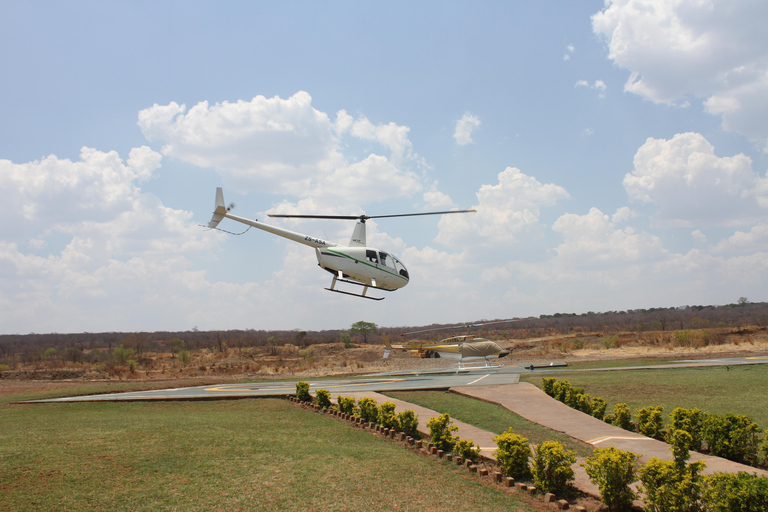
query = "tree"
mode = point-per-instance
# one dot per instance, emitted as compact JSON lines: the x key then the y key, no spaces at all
{"x":176,"y":344}
{"x":363,"y":329}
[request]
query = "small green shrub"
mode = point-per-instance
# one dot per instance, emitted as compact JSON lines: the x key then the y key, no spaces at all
{"x":688,"y":420}
{"x":741,"y":492}
{"x":346,"y":340}
{"x":763,"y":445}
{"x":547,"y":385}
{"x":323,"y":398}
{"x":584,"y":403}
{"x":386,"y":416}
{"x":551,"y":468}
{"x":732,"y":436}
{"x":346,"y":405}
{"x":560,"y":389}
{"x":622,"y":417}
{"x":302,"y":391}
{"x":650,"y":421}
{"x":668,"y":490}
{"x":408,"y":422}
{"x":598,"y":407}
{"x":611,"y":342}
{"x":368,"y":410}
{"x":613,"y":471}
{"x":673,"y":485}
{"x":440,"y":429}
{"x":466,"y":449}
{"x":513,"y":454}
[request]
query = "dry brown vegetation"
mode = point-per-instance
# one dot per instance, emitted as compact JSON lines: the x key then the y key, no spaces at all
{"x":334,"y":359}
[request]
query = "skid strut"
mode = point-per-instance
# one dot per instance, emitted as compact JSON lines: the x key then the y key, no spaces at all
{"x":362,"y":295}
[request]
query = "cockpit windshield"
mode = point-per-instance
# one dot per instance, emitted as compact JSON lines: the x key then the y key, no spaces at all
{"x":393,"y":263}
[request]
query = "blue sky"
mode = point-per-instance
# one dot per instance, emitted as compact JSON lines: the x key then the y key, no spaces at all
{"x":615,"y":152}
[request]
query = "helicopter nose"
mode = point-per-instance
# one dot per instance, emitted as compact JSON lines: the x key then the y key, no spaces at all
{"x":503,"y":353}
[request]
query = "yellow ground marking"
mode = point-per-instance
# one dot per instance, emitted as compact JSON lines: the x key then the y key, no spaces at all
{"x":606,"y":438}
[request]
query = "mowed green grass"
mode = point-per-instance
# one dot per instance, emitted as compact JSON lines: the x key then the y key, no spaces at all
{"x":217,"y":456}
{"x":490,"y":417}
{"x":739,"y":390}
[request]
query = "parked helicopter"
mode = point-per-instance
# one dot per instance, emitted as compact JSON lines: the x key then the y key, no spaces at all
{"x":355,"y":263}
{"x":462,"y":348}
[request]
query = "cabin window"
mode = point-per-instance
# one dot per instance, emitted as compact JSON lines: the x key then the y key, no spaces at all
{"x":386,"y":260}
{"x":371,"y":256}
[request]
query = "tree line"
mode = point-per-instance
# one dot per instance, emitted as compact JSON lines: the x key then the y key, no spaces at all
{"x":72,"y":346}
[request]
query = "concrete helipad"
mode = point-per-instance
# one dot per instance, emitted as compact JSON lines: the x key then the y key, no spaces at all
{"x":435,"y":379}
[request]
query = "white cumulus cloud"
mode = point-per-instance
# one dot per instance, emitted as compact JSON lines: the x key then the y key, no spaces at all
{"x":504,"y":210}
{"x":675,"y":50}
{"x":691,"y":186}
{"x":464,"y":129}
{"x":285,"y":146}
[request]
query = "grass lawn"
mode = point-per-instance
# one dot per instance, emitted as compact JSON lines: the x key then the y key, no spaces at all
{"x":224,"y":455}
{"x":740,"y":390}
{"x":489,"y":417}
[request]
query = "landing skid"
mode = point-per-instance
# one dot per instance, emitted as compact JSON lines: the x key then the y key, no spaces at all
{"x":463,"y":366}
{"x":361,"y":295}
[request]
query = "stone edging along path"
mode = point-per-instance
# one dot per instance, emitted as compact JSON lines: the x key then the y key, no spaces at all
{"x":480,"y":437}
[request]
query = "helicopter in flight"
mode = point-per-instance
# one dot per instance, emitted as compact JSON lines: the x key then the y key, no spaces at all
{"x":355,"y":263}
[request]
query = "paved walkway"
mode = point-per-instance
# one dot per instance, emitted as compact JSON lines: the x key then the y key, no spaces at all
{"x":534,"y":405}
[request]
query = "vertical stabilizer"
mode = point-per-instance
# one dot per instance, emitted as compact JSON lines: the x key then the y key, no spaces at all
{"x":221,"y":209}
{"x":358,"y":235}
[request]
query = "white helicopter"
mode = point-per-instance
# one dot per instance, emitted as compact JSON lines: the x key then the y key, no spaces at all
{"x":354,"y":263}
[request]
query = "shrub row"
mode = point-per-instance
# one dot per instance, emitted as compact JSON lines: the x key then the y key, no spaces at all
{"x":673,"y":485}
{"x":365,"y":409}
{"x":731,"y":436}
{"x":574,"y":397}
{"x":549,"y":465}
{"x":441,"y":434}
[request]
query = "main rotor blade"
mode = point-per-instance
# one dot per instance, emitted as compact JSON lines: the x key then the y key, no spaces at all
{"x":417,"y":214}
{"x":363,"y":217}
{"x":343,"y":217}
